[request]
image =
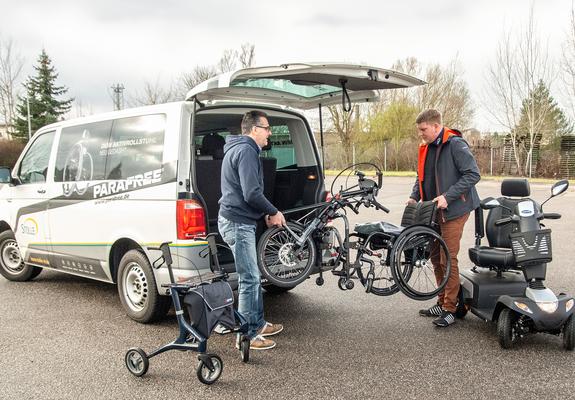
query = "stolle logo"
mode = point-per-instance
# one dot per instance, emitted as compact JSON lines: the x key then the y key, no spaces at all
{"x":29,"y":227}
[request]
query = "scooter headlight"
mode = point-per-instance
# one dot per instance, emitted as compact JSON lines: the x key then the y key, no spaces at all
{"x":523,"y":307}
{"x":569,"y":305}
{"x":548,"y":306}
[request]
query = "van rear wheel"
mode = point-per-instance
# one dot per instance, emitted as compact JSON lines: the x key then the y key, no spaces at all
{"x":137,"y":289}
{"x":12,"y":267}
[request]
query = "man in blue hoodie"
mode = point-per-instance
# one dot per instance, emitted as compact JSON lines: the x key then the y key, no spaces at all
{"x":242,"y":204}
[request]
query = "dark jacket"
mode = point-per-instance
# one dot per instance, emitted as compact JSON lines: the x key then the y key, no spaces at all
{"x":456,"y":174}
{"x":242,"y":185}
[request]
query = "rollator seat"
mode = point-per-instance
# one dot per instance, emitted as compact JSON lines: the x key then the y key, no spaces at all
{"x":485,"y":256}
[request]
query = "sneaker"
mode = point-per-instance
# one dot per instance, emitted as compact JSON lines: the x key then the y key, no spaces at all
{"x":270,"y":329}
{"x":433,"y":311}
{"x":447,"y":318}
{"x":261,"y":343}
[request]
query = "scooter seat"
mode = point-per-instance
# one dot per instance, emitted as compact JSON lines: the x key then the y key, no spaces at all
{"x":484,"y":256}
{"x":382,"y":227}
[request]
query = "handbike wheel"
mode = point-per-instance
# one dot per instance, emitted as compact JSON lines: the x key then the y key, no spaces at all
{"x":208,"y":375}
{"x":282,"y":262}
{"x":137,"y":361}
{"x":412,"y":268}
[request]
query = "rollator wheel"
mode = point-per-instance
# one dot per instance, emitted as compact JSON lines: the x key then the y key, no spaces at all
{"x":137,"y":361}
{"x":412,"y":268}
{"x":282,"y":262}
{"x":245,"y":349}
{"x":208,"y":375}
{"x":341,"y":284}
{"x":506,"y":331}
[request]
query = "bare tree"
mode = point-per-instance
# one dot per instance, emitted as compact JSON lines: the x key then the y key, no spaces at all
{"x":346,"y":126}
{"x":153,"y":93}
{"x":199,"y":74}
{"x":228,"y":61}
{"x":11,"y":64}
{"x":247,"y":55}
{"x":568,"y":63}
{"x":521,"y":64}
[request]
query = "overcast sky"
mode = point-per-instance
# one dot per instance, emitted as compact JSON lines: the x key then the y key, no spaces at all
{"x":94,"y":44}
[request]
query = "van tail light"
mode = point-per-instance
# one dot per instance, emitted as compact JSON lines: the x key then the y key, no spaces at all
{"x":190,"y":219}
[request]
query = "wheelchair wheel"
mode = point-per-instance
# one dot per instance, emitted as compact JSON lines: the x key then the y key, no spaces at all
{"x":137,"y":361}
{"x":282,"y":262}
{"x":412,"y":268}
{"x":208,"y":375}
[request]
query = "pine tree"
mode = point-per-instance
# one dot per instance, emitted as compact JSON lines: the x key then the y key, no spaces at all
{"x":42,"y":93}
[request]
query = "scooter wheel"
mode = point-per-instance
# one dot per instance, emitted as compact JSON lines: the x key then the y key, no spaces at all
{"x":208,"y":375}
{"x":245,"y":349}
{"x":506,"y":331}
{"x":569,"y":334}
{"x":137,"y":361}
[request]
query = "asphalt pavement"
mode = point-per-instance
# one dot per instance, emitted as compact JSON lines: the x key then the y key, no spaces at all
{"x":64,"y":337}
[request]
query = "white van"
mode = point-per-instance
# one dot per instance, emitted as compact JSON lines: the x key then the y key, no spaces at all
{"x":88,"y":196}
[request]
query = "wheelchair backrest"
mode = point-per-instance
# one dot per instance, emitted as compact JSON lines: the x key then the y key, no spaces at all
{"x":421,"y":213}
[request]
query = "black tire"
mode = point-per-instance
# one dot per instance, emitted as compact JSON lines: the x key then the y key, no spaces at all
{"x":137,"y":361}
{"x":204,"y":374}
{"x":276,"y":254}
{"x":506,"y":328}
{"x":569,"y":334}
{"x":462,"y":308}
{"x":12,"y":267}
{"x":412,"y":269}
{"x":245,"y":349}
{"x":273,"y":289}
{"x":137,"y":289}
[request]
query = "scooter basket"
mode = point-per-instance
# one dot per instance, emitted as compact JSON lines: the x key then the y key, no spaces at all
{"x":533,"y":247}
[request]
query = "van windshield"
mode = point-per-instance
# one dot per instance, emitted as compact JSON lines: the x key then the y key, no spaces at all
{"x":305,"y":89}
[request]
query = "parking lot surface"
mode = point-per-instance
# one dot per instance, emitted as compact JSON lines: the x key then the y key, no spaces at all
{"x":64,"y":337}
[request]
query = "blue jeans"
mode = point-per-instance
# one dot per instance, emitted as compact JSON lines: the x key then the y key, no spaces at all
{"x":242,"y":240}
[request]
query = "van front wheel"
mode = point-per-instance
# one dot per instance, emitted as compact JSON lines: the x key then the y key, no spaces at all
{"x":137,"y":289}
{"x":12,"y":266}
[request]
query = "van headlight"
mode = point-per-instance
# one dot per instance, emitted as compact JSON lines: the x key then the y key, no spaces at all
{"x":569,"y":305}
{"x":548,"y":306}
{"x":523,"y":306}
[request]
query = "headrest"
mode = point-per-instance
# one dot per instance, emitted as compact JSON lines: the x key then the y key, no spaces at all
{"x":517,"y":187}
{"x":213,"y":145}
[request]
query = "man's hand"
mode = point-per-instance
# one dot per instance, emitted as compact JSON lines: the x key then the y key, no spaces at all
{"x":275,"y":220}
{"x":411,"y":201}
{"x":441,"y":202}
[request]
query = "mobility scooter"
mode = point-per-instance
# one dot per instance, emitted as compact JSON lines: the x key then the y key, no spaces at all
{"x":507,"y":283}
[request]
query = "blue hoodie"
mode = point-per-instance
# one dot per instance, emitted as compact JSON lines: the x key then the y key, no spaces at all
{"x":243,"y":199}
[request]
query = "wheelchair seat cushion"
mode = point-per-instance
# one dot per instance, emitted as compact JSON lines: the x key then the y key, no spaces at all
{"x":383,"y":227}
{"x":484,"y":256}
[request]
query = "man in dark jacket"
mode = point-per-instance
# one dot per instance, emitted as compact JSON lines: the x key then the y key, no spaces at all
{"x":241,"y":206}
{"x":446,"y":173}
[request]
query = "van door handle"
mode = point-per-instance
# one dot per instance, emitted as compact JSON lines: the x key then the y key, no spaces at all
{"x":41,"y":191}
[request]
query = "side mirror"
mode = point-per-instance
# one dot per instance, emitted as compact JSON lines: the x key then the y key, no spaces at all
{"x":559,"y":187}
{"x":5,"y":175}
{"x":489,"y":203}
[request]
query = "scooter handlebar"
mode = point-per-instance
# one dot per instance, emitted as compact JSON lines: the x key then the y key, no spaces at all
{"x":551,"y":215}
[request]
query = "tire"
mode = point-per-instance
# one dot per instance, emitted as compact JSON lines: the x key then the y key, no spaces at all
{"x":273,"y":289}
{"x":412,"y":269}
{"x":204,"y":374}
{"x":569,"y":334}
{"x":462,"y":308}
{"x":12,"y":267}
{"x":506,"y":328}
{"x":136,"y":361}
{"x":276,"y":254}
{"x":137,"y":289}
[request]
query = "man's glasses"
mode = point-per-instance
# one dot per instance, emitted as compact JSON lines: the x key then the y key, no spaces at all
{"x":267,"y":128}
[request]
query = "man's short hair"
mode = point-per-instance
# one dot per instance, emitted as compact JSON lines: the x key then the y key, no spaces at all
{"x":429,"y":116}
{"x":251,"y":119}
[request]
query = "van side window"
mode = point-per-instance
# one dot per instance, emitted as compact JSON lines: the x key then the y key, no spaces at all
{"x":136,"y":146}
{"x":34,"y":165}
{"x":282,"y":147}
{"x":81,"y":152}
